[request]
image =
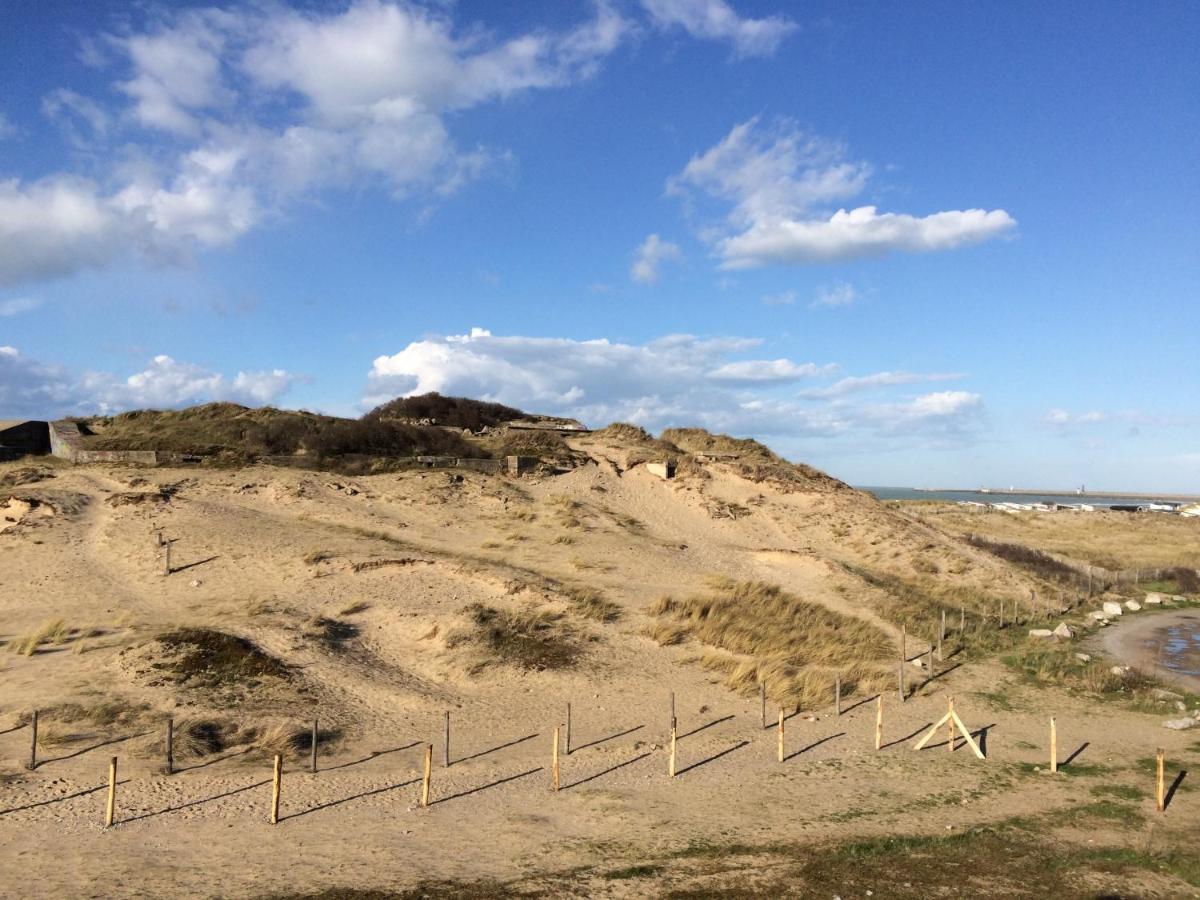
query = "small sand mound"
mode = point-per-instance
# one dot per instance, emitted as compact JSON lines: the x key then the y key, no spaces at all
{"x":25,"y":475}
{"x":17,"y":511}
{"x":534,"y":640}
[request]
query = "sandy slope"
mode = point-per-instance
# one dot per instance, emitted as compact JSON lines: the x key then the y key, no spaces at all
{"x":259,"y":552}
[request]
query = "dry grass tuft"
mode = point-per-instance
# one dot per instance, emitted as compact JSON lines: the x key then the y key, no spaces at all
{"x":318,"y":556}
{"x":53,"y":631}
{"x":351,"y":609}
{"x":756,"y":632}
{"x":534,"y":640}
{"x":592,"y":604}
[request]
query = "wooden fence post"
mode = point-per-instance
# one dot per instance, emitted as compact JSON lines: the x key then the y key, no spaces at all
{"x":781,"y":726}
{"x":950,"y":726}
{"x":671,"y":764}
{"x":425,"y":777}
{"x":837,"y":694}
{"x":446,"y":741}
{"x":1160,"y":795}
{"x":672,"y":709}
{"x":276,"y":784}
{"x":900,"y":680}
{"x":1001,"y":612}
{"x":313,"y":749}
{"x":170,"y":746}
{"x":554,"y":765}
{"x":1053,"y":746}
{"x":879,"y":722}
{"x":33,"y":725}
{"x":111,"y":807}
{"x":962,"y":621}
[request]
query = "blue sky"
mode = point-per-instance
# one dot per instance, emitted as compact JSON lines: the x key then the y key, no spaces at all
{"x":927,"y":244}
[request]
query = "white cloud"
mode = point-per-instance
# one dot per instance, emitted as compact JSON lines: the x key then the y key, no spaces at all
{"x":767,"y":371}
{"x":716,"y":20}
{"x":783,"y":298}
{"x":258,"y":108}
{"x":32,"y":389}
{"x":945,"y":412}
{"x":859,"y":383}
{"x":18,"y":305}
{"x":840,"y":293}
{"x":1060,"y":417}
{"x":778,"y":184}
{"x":177,"y":71}
{"x":53,"y":227}
{"x":675,"y":380}
{"x":649,"y":257}
{"x":72,"y":110}
{"x":861,"y":232}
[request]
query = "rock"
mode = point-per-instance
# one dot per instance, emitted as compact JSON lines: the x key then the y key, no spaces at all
{"x":1112,"y":608}
{"x":1098,"y":616}
{"x":1181,"y":706}
{"x":1181,"y":724}
{"x":1155,"y":599}
{"x":1132,"y":605}
{"x":1083,"y":657}
{"x":1063,"y":631}
{"x":1040,"y":632}
{"x":1163,"y":694}
{"x":196,"y":582}
{"x":1120,"y":670}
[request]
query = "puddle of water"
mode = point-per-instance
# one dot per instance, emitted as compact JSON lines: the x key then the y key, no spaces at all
{"x":1177,"y":646}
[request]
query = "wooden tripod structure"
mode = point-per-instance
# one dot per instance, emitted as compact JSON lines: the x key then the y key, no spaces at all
{"x":952,"y":718}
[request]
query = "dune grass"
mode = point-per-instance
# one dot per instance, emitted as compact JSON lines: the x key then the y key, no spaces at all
{"x":757,"y":633}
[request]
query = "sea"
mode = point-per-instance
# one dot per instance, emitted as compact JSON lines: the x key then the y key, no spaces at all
{"x":903,"y":493}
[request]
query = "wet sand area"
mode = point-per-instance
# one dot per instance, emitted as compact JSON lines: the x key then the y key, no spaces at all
{"x":1165,"y":644}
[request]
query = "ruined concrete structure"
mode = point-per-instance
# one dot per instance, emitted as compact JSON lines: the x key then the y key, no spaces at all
{"x":19,"y":438}
{"x":664,"y":469}
{"x":66,"y":441}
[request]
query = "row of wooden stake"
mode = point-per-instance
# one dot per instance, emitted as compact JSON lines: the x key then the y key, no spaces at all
{"x":951,"y":720}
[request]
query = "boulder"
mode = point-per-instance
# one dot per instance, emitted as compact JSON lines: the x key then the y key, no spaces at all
{"x":1083,"y":657}
{"x":1181,"y":724}
{"x":1120,"y":670}
{"x":1112,"y":608}
{"x":1132,"y":605}
{"x":1098,"y":615}
{"x":1063,"y":631}
{"x":1040,"y":632}
{"x":1155,"y":599}
{"x":1164,"y":694}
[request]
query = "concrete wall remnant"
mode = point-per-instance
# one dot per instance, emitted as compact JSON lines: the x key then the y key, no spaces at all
{"x":665,"y":469}
{"x":19,"y":438}
{"x":520,"y":464}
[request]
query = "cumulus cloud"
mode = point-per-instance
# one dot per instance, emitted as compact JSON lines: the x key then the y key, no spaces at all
{"x":29,"y":388}
{"x":674,"y":380}
{"x":778,"y":184}
{"x":717,"y":20}
{"x":942,"y":412}
{"x":244,"y":112}
{"x":649,"y":257}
